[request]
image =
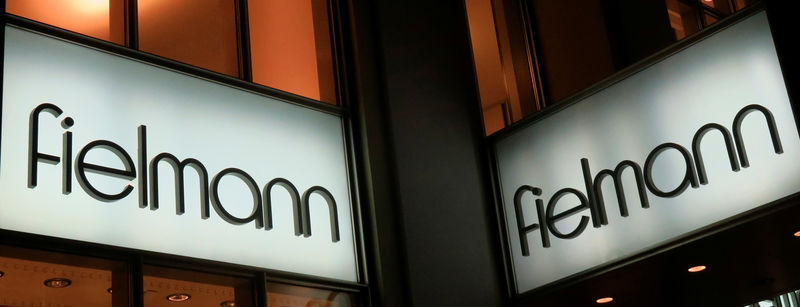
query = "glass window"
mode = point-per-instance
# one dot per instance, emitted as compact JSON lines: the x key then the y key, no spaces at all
{"x":488,"y":65}
{"x":284,"y":295}
{"x":37,"y":278}
{"x":167,"y":286}
{"x":721,"y":6}
{"x":682,"y":18}
{"x":506,"y":83}
{"x":291,"y":48}
{"x":201,"y":33}
{"x":740,"y":4}
{"x":568,"y":47}
{"x":103,"y":19}
{"x":689,"y":16}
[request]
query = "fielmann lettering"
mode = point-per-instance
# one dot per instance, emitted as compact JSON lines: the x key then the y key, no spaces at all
{"x":695,"y":176}
{"x":261,"y":213}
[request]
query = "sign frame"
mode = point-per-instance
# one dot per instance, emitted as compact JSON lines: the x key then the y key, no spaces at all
{"x":496,"y":189}
{"x":38,"y":241}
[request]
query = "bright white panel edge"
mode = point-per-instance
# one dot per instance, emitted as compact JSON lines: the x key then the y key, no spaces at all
{"x":722,"y":79}
{"x":110,"y":98}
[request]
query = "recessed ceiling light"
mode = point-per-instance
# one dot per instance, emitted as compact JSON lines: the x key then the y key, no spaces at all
{"x":228,"y":304}
{"x":696,"y":269}
{"x":110,"y":291}
{"x":2,"y":273}
{"x":57,"y":282}
{"x":178,"y":297}
{"x":604,"y":300}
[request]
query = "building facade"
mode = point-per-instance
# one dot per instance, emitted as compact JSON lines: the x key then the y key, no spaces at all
{"x":398,"y":153}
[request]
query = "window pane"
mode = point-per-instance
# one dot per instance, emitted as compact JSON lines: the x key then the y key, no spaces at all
{"x":740,"y":4}
{"x":103,"y":19}
{"x":488,"y":64}
{"x":166,"y":287}
{"x":682,"y":18}
{"x":201,"y":33}
{"x":721,"y":6}
{"x":283,"y":295}
{"x":709,"y":19}
{"x":35,"y":278}
{"x":291,"y":48}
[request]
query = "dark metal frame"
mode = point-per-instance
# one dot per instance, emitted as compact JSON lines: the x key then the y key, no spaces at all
{"x":135,"y":259}
{"x":502,"y":231}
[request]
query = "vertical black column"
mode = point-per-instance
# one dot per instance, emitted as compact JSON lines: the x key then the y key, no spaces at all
{"x":243,"y":41}
{"x":132,"y":24}
{"x":430,"y":232}
{"x":382,"y":226}
{"x":784,"y":23}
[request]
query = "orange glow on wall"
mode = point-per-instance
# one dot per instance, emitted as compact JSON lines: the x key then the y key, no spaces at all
{"x":290,"y":47}
{"x":488,"y":64}
{"x":201,"y":33}
{"x":103,"y":19}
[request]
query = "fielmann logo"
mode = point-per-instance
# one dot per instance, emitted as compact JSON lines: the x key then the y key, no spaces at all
{"x":593,"y":200}
{"x":261,"y":213}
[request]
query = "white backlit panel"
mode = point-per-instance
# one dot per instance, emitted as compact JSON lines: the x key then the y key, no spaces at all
{"x":709,"y":82}
{"x":108,"y":98}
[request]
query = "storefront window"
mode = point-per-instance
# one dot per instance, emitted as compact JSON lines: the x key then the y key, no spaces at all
{"x":684,"y":15}
{"x":166,"y":286}
{"x":508,"y":85}
{"x":36,"y":278}
{"x":284,"y":295}
{"x":201,"y":33}
{"x":291,"y":48}
{"x":683,"y":18}
{"x":103,"y":19}
{"x":533,"y":54}
{"x":283,"y":44}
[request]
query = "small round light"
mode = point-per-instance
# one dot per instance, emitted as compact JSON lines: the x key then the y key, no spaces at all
{"x":796,"y":234}
{"x":2,"y":273}
{"x":604,"y":300}
{"x":110,"y":291}
{"x":178,"y":297}
{"x":57,"y":282}
{"x":228,"y":304}
{"x":696,"y":269}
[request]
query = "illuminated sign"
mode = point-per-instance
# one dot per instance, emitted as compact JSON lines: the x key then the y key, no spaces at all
{"x":703,"y":135}
{"x":100,"y":148}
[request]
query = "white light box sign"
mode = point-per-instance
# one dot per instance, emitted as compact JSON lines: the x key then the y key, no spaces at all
{"x":100,"y":148}
{"x":698,"y":137}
